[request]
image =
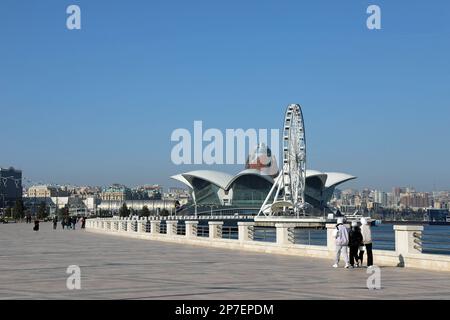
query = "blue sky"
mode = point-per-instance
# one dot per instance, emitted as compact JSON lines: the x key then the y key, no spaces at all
{"x":98,"y":105}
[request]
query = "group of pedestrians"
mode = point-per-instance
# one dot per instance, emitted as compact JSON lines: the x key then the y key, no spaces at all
{"x":353,"y":244}
{"x":66,"y":223}
{"x":69,"y":222}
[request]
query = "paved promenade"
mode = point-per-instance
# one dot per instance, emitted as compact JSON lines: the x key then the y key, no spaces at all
{"x":33,"y":266}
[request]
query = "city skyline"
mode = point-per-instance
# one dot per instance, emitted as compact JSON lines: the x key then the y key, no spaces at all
{"x":173,"y":184}
{"x":98,"y":105}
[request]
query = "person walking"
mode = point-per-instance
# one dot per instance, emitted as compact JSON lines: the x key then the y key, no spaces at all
{"x":55,"y":222}
{"x":83,"y":223}
{"x":367,"y":241}
{"x":74,"y":222}
{"x":341,"y":238}
{"x":354,"y":242}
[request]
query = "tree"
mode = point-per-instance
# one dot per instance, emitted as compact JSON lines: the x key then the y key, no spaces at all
{"x":63,"y":212}
{"x":124,"y":211}
{"x":145,"y":212}
{"x":8,"y":212}
{"x":42,"y":211}
{"x":104,"y":213}
{"x":164,"y":213}
{"x":19,"y":209}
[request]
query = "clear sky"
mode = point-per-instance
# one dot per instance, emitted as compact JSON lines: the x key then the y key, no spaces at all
{"x":98,"y":105}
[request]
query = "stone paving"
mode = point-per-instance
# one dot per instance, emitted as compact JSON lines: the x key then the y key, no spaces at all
{"x":33,"y":266}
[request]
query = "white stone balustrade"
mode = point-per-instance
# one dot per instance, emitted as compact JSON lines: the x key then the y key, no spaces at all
{"x":142,"y":225}
{"x":283,"y":230}
{"x":215,"y":229}
{"x":245,"y":232}
{"x":408,"y":246}
{"x":130,"y":226}
{"x":191,"y":229}
{"x":171,"y":227}
{"x":155,"y":225}
{"x":406,"y":241}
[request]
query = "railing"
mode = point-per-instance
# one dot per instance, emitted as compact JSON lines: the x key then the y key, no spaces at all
{"x":181,"y":229}
{"x":385,"y":241}
{"x":264,"y":234}
{"x":291,"y":235}
{"x":251,"y":233}
{"x":218,"y":232}
{"x":419,"y":242}
{"x":310,"y":237}
{"x":202,"y":231}
{"x":230,"y":232}
{"x":435,"y":243}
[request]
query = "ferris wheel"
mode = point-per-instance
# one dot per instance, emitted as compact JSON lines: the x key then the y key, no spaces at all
{"x":288,"y":192}
{"x":294,"y":157}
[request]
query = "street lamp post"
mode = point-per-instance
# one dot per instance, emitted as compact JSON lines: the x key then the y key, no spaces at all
{"x":195,"y":207}
{"x":3,"y":203}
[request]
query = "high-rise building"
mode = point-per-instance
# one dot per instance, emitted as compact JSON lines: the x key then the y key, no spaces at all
{"x":381,"y":198}
{"x":10,"y":186}
{"x":415,"y":200}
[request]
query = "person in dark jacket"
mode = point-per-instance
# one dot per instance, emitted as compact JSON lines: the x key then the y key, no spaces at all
{"x":36,"y":225}
{"x":355,"y":241}
{"x":55,"y":222}
{"x":83,"y":223}
{"x":68,"y":223}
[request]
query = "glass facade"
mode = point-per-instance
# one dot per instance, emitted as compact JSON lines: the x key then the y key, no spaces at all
{"x":205,"y":192}
{"x":10,"y":187}
{"x":250,"y":190}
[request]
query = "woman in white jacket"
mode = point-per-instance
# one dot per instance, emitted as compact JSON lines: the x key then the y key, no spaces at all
{"x":367,"y":240}
{"x":341,"y":238}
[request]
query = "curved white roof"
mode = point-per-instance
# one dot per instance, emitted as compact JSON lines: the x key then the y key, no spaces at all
{"x":225,"y":180}
{"x":335,"y":178}
{"x":218,"y":178}
{"x":182,"y":179}
{"x":314,"y":173}
{"x":252,"y":172}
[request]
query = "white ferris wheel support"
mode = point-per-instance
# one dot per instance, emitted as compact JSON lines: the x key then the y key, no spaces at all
{"x":288,"y":191}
